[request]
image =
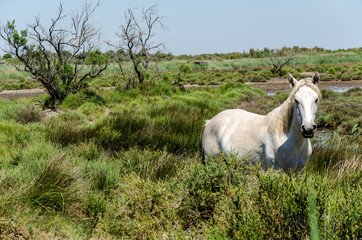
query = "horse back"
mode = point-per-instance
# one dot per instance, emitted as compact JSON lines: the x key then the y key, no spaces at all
{"x":233,"y":130}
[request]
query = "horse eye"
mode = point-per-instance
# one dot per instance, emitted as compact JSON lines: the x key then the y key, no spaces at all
{"x":296,"y":101}
{"x":316,"y":101}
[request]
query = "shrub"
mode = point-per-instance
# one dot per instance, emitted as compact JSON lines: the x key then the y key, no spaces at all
{"x":144,"y":210}
{"x":75,"y":100}
{"x":327,"y":77}
{"x":72,"y":101}
{"x":327,"y":93}
{"x":320,"y":69}
{"x":286,"y":70}
{"x":201,"y":66}
{"x":348,"y":76}
{"x":257,"y":78}
{"x":331,"y":70}
{"x":299,"y":69}
{"x":205,"y":185}
{"x":356,"y":91}
{"x":184,"y":68}
{"x":271,"y":205}
{"x":167,"y":78}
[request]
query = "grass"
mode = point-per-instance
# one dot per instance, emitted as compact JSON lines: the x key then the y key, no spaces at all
{"x":127,"y":164}
{"x":11,"y":79}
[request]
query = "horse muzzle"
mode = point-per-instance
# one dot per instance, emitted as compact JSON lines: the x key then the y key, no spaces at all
{"x":308,"y":132}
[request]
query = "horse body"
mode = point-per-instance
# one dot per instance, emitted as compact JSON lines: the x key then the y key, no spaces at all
{"x":279,"y":140}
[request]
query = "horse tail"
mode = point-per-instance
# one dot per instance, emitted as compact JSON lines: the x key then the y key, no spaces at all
{"x":203,"y":156}
{"x":202,"y":148}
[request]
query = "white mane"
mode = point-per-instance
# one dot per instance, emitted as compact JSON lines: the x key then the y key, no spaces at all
{"x":279,"y":120}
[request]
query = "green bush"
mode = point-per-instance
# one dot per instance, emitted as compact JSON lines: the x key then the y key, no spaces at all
{"x":300,"y":69}
{"x":167,"y":78}
{"x":184,"y":68}
{"x":320,"y":69}
{"x":347,"y":76}
{"x":286,"y":70}
{"x":201,"y":66}
{"x":257,"y":78}
{"x":75,"y":100}
{"x":327,"y":93}
{"x":72,"y":101}
{"x":356,"y":91}
{"x":331,"y":70}
{"x":144,"y":210}
{"x":205,"y":186}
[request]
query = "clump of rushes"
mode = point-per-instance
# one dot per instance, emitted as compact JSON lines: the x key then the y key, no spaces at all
{"x":54,"y":189}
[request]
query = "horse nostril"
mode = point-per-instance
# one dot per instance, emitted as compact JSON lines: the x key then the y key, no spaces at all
{"x":314,"y":127}
{"x":303,"y":128}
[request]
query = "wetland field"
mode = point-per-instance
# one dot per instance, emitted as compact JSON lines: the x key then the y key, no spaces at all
{"x":110,"y":163}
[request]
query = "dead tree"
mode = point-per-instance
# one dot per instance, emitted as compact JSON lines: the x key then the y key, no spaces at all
{"x":279,"y":59}
{"x":60,"y":57}
{"x":136,"y":41}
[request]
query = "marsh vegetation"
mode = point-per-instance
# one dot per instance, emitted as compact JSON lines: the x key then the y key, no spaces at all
{"x":127,"y":164}
{"x":113,"y":149}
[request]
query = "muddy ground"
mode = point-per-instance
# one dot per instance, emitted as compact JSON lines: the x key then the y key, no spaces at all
{"x":13,"y":94}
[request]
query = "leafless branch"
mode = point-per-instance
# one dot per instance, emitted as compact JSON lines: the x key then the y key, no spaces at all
{"x":278,"y":60}
{"x":136,"y":38}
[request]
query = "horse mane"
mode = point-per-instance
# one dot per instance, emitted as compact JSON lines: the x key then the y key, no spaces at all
{"x":280,"y":119}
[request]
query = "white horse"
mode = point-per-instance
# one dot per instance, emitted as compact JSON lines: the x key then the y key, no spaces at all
{"x":279,"y":140}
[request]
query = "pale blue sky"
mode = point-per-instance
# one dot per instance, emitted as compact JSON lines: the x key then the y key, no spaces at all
{"x":196,"y":27}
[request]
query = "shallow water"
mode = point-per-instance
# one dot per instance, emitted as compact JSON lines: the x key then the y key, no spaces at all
{"x":340,"y":89}
{"x":322,"y":138}
{"x":333,"y":88}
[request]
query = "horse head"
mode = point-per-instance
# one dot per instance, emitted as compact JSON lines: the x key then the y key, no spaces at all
{"x":306,"y":97}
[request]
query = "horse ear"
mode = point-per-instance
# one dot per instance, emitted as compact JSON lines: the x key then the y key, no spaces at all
{"x":316,"y":78}
{"x":292,"y":80}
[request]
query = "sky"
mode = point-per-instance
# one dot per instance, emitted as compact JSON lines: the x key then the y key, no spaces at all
{"x":224,"y":26}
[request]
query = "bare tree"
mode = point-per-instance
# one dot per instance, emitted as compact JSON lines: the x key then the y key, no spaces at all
{"x":60,"y":57}
{"x":278,"y":59}
{"x":136,"y":41}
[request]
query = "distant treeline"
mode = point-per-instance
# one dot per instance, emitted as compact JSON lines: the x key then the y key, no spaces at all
{"x":252,"y":53}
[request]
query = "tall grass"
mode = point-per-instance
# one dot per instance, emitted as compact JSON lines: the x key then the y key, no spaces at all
{"x":54,"y":188}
